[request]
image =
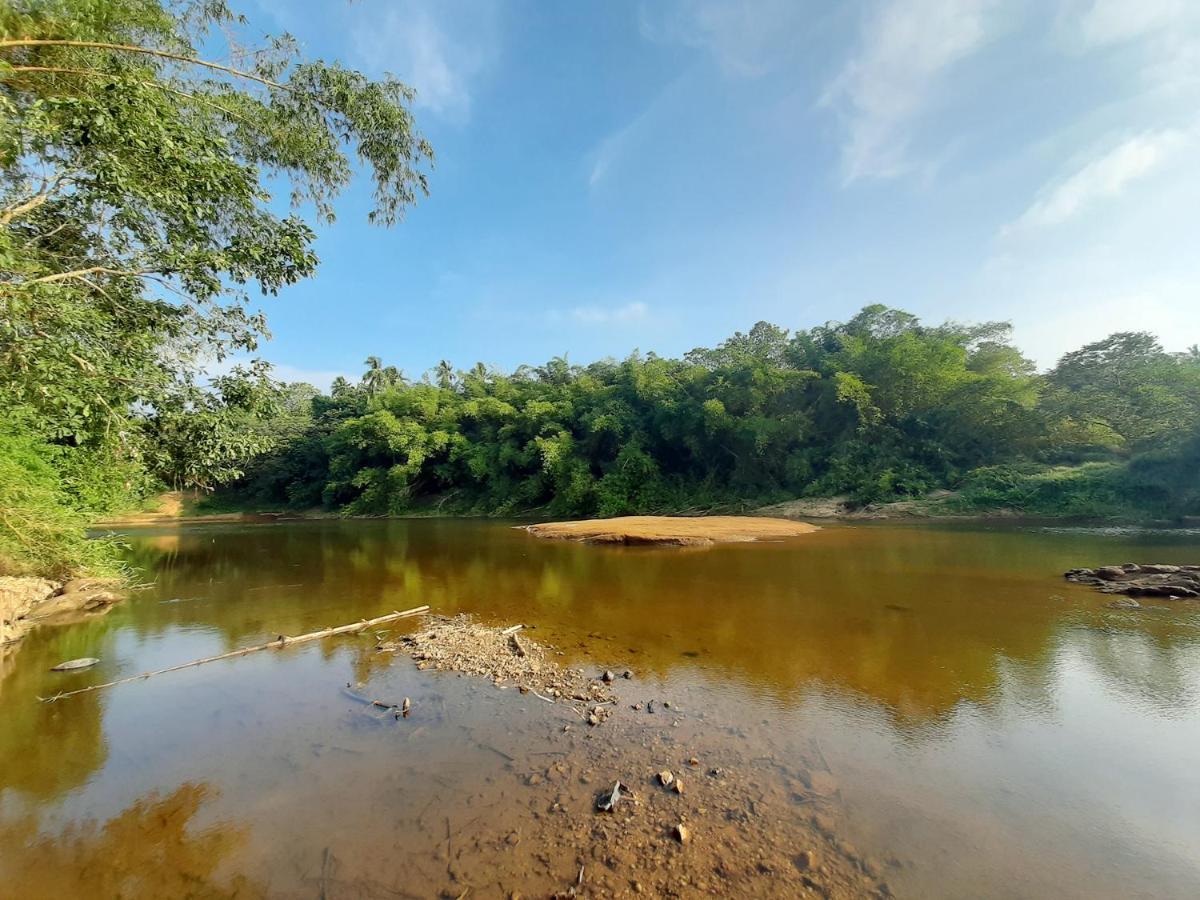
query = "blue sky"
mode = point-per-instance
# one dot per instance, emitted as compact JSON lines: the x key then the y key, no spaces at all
{"x":658,"y":174}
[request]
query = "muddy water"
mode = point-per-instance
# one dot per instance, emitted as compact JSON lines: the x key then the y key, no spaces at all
{"x":904,"y":710}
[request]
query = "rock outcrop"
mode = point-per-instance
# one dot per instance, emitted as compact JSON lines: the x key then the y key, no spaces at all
{"x":25,"y":600}
{"x":1134,"y":580}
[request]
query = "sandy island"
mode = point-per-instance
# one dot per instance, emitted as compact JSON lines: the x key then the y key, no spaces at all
{"x":681,"y":531}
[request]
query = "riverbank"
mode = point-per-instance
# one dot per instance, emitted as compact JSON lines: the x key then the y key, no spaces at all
{"x":177,"y":507}
{"x":26,"y":601}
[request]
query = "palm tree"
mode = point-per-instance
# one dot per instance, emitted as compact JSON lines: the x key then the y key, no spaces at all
{"x":445,"y":375}
{"x":373,"y":378}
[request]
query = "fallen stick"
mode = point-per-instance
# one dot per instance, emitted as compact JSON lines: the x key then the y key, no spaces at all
{"x":281,"y":641}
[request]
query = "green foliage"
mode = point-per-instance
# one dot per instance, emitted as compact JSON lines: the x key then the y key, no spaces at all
{"x":43,"y":519}
{"x":137,"y":220}
{"x":879,"y":408}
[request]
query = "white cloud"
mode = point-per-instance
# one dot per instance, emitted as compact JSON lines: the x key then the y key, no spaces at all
{"x":1107,"y":22}
{"x":625,"y":139}
{"x":602,"y":315}
{"x":904,"y":51}
{"x":747,"y":37}
{"x":1104,"y":177}
{"x":438,"y":49}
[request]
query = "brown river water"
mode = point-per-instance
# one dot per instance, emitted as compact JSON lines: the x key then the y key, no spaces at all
{"x":875,"y":710}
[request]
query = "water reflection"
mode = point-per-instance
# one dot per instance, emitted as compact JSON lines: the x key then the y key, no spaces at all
{"x":915,"y":619}
{"x":152,"y":849}
{"x":975,"y":708}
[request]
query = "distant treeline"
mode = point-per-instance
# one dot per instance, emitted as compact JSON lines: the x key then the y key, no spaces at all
{"x":878,"y":408}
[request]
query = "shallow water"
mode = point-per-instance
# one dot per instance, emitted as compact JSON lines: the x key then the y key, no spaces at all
{"x":985,"y":728}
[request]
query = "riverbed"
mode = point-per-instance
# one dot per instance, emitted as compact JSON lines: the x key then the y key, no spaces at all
{"x":868,"y":710}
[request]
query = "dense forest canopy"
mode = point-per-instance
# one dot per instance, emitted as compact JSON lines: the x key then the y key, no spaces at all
{"x":140,"y":145}
{"x":877,"y":408}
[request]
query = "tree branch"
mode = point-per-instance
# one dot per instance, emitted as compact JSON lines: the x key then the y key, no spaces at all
{"x":91,"y":270}
{"x":146,"y":51}
{"x":44,"y":193}
{"x":95,"y":73}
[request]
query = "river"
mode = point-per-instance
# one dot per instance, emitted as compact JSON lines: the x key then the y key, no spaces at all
{"x":932,"y":707}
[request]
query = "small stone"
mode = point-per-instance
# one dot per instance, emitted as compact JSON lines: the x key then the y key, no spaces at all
{"x":677,"y":786}
{"x":680,"y":833}
{"x":716,"y":772}
{"x":693,"y":761}
{"x":608,"y":677}
{"x":666,"y":704}
{"x":636,"y":706}
{"x":534,"y":780}
{"x":806,"y":861}
{"x":665,"y":777}
{"x":627,"y":674}
{"x":593,"y":719}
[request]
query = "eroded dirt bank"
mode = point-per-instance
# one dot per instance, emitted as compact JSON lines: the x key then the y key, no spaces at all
{"x":683,"y":531}
{"x":28,"y":600}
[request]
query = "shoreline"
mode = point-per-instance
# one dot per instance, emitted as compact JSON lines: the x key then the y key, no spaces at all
{"x":824,"y":510}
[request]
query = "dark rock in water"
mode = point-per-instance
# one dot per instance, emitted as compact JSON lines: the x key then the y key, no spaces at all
{"x":1156,"y":580}
{"x":806,"y":860}
{"x":608,"y":800}
{"x":72,"y":664}
{"x":1125,"y":603}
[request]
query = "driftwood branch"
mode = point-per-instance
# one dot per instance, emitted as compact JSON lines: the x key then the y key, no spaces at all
{"x":279,"y":642}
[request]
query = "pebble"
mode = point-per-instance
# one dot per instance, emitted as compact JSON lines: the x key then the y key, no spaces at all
{"x":680,"y":833}
{"x":608,"y":677}
{"x":677,"y":786}
{"x":665,"y":778}
{"x":693,"y":761}
{"x":627,"y":674}
{"x":806,"y":861}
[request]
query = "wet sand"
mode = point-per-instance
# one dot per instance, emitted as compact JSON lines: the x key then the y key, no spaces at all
{"x":682,"y":531}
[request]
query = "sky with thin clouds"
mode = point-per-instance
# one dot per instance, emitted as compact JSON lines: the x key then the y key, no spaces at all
{"x":656,"y":175}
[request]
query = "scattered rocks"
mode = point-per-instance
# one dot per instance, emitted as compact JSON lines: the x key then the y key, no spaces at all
{"x":1155,"y":580}
{"x":459,"y":644}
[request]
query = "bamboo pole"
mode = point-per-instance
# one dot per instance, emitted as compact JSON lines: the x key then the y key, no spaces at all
{"x":279,"y":642}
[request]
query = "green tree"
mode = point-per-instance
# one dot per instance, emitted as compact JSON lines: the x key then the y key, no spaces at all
{"x":137,"y":217}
